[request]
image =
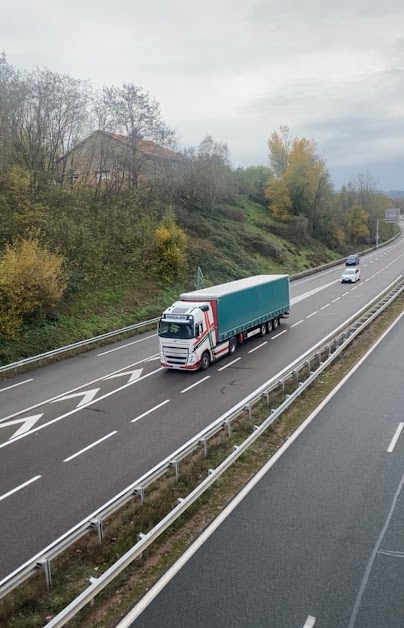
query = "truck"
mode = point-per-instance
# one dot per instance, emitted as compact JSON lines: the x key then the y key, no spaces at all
{"x":205,"y":325}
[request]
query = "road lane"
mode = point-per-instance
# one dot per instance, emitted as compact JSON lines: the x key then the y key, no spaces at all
{"x":320,"y":535}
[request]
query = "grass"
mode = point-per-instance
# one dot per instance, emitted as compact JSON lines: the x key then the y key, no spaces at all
{"x":32,"y":604}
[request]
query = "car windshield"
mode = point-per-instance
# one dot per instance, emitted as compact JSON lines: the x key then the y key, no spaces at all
{"x":176,"y":330}
{"x":351,"y":258}
{"x":351,"y":271}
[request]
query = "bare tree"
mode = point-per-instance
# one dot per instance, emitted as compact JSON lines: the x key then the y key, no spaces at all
{"x":131,"y":111}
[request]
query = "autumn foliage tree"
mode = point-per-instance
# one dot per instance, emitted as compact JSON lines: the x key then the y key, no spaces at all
{"x":170,"y":248}
{"x":356,"y":222}
{"x":32,"y":282}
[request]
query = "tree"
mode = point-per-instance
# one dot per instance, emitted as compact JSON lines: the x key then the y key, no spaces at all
{"x":280,"y":203}
{"x":356,"y":223}
{"x":205,"y":176}
{"x":279,"y":146}
{"x":131,"y":111}
{"x":170,"y":247}
{"x":301,"y":179}
{"x":252,"y":182}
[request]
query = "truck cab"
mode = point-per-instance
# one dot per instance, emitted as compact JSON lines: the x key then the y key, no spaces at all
{"x":186,"y":332}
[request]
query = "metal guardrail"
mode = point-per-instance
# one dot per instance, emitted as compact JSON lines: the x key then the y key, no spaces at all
{"x":330,"y":344}
{"x":76,"y":345}
{"x":123,"y":330}
{"x":332,"y":350}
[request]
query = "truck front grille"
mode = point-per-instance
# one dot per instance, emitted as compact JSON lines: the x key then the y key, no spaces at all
{"x":175,"y":355}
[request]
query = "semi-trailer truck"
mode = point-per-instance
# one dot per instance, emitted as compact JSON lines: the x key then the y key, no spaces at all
{"x":207,"y":324}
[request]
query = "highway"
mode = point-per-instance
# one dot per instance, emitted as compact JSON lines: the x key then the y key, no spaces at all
{"x":318,"y":540}
{"x":76,"y":433}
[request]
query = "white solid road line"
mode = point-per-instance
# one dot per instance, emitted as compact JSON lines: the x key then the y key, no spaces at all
{"x":15,"y":385}
{"x":258,"y":346}
{"x":196,"y":384}
{"x":128,"y":344}
{"x":229,"y":364}
{"x":312,"y":314}
{"x":192,"y":549}
{"x":296,"y":324}
{"x":163,"y":403}
{"x":280,"y":334}
{"x":310,"y":621}
{"x":18,"y":488}
{"x":78,"y":453}
{"x":395,"y":438}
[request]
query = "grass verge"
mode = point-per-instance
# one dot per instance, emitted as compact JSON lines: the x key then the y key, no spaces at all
{"x":32,"y":604}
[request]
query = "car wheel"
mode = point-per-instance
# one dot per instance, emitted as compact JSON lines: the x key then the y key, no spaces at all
{"x":263,"y":330}
{"x":275,"y":323}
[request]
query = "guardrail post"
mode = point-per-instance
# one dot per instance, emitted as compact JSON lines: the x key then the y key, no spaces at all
{"x":247,"y":409}
{"x":139,"y":492}
{"x":176,"y":465}
{"x":92,"y":581}
{"x":97,"y":524}
{"x":282,"y":383}
{"x":204,"y":443}
{"x":44,"y":564}
{"x":140,"y":537}
{"x":227,"y":423}
{"x":296,"y":375}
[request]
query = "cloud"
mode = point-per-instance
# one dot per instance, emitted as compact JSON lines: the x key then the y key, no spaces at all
{"x":237,"y":69}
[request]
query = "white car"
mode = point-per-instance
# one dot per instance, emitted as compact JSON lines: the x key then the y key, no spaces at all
{"x":351,"y":275}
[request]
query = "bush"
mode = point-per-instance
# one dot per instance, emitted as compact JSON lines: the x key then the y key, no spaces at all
{"x":32,"y":281}
{"x":259,"y":244}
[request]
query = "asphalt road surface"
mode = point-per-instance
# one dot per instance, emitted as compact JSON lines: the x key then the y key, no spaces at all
{"x":76,"y":433}
{"x":319,"y":540}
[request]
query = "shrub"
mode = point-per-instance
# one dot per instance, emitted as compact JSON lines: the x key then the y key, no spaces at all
{"x":32,"y":281}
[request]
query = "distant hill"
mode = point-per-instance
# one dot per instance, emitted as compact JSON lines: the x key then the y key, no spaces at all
{"x":395,"y":193}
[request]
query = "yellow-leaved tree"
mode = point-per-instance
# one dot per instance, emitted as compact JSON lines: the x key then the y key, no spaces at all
{"x":32,"y":282}
{"x":356,"y":223}
{"x":301,"y":178}
{"x":170,"y":248}
{"x":277,"y":193}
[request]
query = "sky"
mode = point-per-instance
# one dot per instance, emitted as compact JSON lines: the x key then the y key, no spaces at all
{"x":239,"y":69}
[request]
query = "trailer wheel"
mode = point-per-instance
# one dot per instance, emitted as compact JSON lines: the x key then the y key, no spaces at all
{"x":232,"y":345}
{"x":263,"y":330}
{"x":205,"y":361}
{"x":275,"y":323}
{"x":269,"y":326}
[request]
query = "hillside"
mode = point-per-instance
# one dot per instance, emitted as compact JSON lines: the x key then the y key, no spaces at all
{"x":232,"y":242}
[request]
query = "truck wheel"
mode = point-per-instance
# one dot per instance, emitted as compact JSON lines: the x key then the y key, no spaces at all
{"x":263,"y":330}
{"x":275,"y":323}
{"x":205,"y":361}
{"x":232,"y":346}
{"x":269,"y":326}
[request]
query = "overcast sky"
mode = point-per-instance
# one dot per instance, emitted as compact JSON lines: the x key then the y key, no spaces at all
{"x":331,"y":70}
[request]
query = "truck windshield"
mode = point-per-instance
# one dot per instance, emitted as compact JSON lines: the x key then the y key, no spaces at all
{"x":176,"y":330}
